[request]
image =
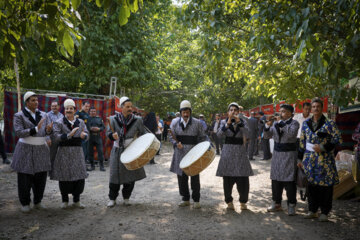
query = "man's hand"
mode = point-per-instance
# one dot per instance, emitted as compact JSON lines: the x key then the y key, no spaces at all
{"x":115,"y":136}
{"x":95,"y":129}
{"x":49,"y":127}
{"x":317,"y":148}
{"x":40,"y":123}
{"x":83,"y":135}
{"x":179,"y":145}
{"x":48,"y":142}
{"x":300,"y":165}
{"x":72,"y":133}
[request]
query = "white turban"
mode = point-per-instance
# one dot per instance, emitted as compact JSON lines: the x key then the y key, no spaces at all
{"x":69,"y":102}
{"x":28,"y":94}
{"x":123,"y":100}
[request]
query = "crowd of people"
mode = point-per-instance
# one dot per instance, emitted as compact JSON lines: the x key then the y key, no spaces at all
{"x":61,"y":144}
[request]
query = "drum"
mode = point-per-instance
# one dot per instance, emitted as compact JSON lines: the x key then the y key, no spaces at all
{"x":198,"y":158}
{"x":140,"y":151}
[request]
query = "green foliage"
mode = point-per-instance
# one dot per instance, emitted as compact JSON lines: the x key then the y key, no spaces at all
{"x":47,"y":20}
{"x":282,"y":49}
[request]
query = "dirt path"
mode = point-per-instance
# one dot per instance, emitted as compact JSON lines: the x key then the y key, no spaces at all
{"x":154,"y":213}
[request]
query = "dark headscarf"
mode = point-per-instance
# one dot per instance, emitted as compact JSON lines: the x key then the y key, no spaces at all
{"x":150,"y":122}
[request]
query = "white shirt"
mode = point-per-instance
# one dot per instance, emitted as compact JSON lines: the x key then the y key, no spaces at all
{"x":33,"y":114}
{"x":216,"y":126}
{"x":184,"y":123}
{"x":72,"y":122}
{"x":301,"y":119}
{"x":158,"y":131}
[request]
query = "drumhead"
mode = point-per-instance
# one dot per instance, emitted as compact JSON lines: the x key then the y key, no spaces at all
{"x":194,"y":154}
{"x":137,"y":148}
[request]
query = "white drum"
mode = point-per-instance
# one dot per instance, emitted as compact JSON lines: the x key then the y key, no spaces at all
{"x":198,"y":158}
{"x":140,"y":151}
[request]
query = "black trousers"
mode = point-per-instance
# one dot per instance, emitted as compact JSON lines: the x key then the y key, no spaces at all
{"x":71,"y":187}
{"x":183,"y":182}
{"x":265,"y":143}
{"x":242,"y":185}
{"x":251,"y":147}
{"x":2,"y":148}
{"x":320,"y":197}
{"x":126,"y":190}
{"x":277,"y":191}
{"x":97,"y":142}
{"x":36,"y":182}
{"x":218,"y":143}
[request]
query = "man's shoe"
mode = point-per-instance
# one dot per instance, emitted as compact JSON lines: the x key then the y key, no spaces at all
{"x":64,"y":205}
{"x":311,"y":215}
{"x":25,"y":209}
{"x":127,"y":202}
{"x":6,"y":161}
{"x":39,"y":206}
{"x":92,"y":168}
{"x":230,"y":206}
{"x":197,"y":205}
{"x":102,"y":169}
{"x":78,"y":205}
{"x":243,"y":206}
{"x":111,"y":203}
{"x":184,"y":204}
{"x":291,"y":210}
{"x":274,"y":207}
{"x":323,"y":218}
{"x":251,"y":159}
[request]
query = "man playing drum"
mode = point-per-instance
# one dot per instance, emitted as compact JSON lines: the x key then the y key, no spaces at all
{"x":123,"y":128}
{"x":186,"y":132}
{"x":234,"y":165}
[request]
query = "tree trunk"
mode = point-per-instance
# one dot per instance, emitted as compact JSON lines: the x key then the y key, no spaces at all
{"x":17,"y":83}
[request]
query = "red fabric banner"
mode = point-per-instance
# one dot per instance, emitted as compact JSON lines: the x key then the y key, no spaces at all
{"x":268,"y":109}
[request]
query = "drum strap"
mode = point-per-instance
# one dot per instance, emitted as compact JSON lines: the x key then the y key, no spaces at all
{"x":184,"y":139}
{"x":233,"y":140}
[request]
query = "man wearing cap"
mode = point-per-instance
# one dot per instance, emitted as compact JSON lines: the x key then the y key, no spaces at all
{"x":234,"y":166}
{"x":202,"y":120}
{"x":83,"y":114}
{"x":95,"y":125}
{"x":265,"y":142}
{"x":69,"y":165}
{"x":284,"y":159}
{"x":31,"y":159}
{"x":253,"y":135}
{"x":54,"y":115}
{"x":123,"y":128}
{"x":186,"y":132}
{"x":214,"y":128}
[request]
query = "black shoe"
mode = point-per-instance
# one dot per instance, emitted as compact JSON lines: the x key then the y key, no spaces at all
{"x":251,"y":159}
{"x":92,"y":168}
{"x":6,"y":161}
{"x":102,"y":169}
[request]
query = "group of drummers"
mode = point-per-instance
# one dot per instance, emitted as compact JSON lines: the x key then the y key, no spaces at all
{"x":313,"y":154}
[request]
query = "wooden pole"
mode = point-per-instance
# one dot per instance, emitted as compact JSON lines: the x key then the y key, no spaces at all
{"x":16,"y":68}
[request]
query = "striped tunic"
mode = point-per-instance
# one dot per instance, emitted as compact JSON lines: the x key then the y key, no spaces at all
{"x":193,"y":128}
{"x":283,"y":163}
{"x":69,"y":163}
{"x":27,"y":158}
{"x":234,"y":161}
